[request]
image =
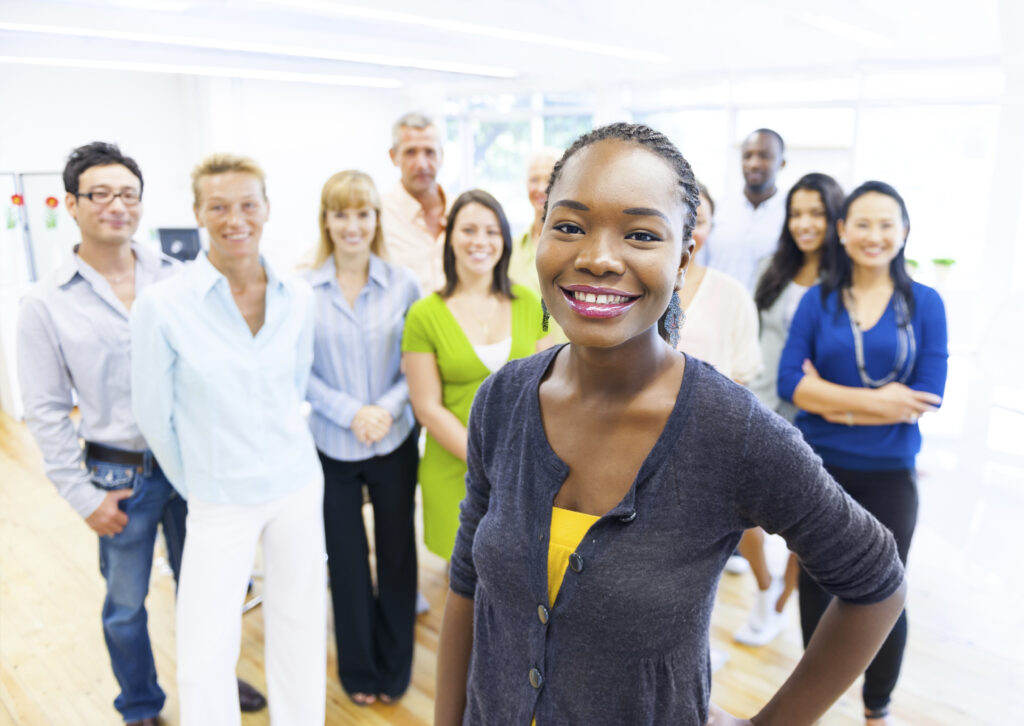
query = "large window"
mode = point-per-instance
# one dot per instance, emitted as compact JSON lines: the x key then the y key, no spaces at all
{"x":494,"y":137}
{"x":929,"y":132}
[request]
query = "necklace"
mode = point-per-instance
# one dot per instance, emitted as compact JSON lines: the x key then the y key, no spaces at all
{"x":906,"y":344}
{"x":483,"y":322}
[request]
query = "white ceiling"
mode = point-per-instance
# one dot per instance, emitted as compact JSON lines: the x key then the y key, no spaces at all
{"x":550,"y":44}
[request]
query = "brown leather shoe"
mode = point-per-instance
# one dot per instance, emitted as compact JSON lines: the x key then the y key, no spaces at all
{"x":150,"y":721}
{"x":249,"y":699}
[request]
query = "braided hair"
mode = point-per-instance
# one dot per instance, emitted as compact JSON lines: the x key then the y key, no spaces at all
{"x":657,"y":143}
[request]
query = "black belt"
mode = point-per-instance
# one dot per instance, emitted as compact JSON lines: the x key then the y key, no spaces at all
{"x":117,"y":456}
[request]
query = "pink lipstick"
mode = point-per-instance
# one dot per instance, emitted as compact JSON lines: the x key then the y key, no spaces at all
{"x":598,"y":302}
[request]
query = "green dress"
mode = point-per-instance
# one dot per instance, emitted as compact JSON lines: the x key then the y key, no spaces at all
{"x":430,"y":327}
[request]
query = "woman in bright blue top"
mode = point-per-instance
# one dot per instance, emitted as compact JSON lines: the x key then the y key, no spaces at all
{"x":865,"y":359}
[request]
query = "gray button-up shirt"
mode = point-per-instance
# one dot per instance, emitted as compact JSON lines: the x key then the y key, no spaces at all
{"x":73,"y":335}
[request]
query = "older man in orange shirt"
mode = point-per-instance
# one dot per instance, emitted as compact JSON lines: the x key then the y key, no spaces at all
{"x":414,"y":212}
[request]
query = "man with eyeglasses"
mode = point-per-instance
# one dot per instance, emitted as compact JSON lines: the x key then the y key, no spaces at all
{"x":74,"y":338}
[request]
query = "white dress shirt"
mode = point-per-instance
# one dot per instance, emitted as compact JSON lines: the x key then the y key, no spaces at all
{"x":222,"y":408}
{"x":743,"y":235}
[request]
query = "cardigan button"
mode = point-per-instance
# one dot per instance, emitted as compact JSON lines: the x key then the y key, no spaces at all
{"x":542,"y":614}
{"x":536,"y":679}
{"x":575,"y":562}
{"x":627,"y":518}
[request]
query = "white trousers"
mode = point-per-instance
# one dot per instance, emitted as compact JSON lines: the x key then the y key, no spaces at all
{"x":220,"y":547}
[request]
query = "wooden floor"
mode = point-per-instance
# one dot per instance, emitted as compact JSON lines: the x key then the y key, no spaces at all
{"x":964,"y":665}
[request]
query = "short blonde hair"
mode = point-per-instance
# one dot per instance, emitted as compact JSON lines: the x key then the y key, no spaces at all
{"x":223,"y":163}
{"x":345,"y":190}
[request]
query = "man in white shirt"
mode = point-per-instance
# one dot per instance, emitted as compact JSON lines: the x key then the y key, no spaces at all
{"x":413,"y":214}
{"x":747,"y":228}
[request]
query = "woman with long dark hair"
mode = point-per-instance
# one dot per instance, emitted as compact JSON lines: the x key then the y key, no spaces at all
{"x":812,"y":208}
{"x":453,"y":340}
{"x":610,"y":479}
{"x":865,"y":359}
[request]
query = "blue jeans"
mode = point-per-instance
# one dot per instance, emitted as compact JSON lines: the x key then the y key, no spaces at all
{"x":126,"y":560}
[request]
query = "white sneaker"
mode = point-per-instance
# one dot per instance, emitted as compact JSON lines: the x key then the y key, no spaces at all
{"x":718,"y":659}
{"x":737,"y":565}
{"x":764,"y":623}
{"x":422,"y":604}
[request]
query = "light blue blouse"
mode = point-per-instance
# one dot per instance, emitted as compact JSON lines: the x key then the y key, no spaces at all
{"x":357,"y":358}
{"x":222,"y":408}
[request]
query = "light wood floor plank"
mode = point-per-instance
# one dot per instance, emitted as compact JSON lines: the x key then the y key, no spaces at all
{"x":962,"y":668}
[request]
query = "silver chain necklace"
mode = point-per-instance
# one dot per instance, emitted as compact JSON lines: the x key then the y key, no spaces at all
{"x":906,"y":344}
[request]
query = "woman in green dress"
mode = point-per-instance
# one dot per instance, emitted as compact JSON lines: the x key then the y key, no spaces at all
{"x":453,"y":340}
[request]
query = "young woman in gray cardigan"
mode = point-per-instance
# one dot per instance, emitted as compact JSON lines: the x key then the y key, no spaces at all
{"x":671,"y":460}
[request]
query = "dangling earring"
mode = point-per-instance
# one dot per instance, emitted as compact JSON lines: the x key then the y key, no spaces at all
{"x":675,"y":319}
{"x":842,"y":241}
{"x":546,"y":317}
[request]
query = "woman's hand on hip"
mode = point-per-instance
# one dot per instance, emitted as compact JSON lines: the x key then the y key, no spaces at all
{"x":718,"y":717}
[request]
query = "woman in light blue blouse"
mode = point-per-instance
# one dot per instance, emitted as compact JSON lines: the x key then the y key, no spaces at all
{"x":366,"y":436}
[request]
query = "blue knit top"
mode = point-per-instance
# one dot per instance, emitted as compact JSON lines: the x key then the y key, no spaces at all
{"x":625,"y":642}
{"x":823,"y":337}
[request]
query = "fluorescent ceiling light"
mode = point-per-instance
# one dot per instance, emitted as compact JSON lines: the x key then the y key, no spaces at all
{"x":266,"y":49}
{"x":846,"y":30}
{"x":167,"y":6}
{"x":214,"y":71}
{"x":487,"y":31}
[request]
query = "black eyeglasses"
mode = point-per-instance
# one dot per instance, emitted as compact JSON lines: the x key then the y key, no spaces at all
{"x":129,"y":197}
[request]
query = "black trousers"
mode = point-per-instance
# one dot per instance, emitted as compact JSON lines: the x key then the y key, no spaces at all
{"x":373,"y":631}
{"x":892,"y":497}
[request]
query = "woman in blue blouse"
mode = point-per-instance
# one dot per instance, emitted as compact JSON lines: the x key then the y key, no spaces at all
{"x":865,"y":358}
{"x":366,"y":436}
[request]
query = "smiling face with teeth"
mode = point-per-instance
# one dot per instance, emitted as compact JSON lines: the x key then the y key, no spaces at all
{"x":873,"y":232}
{"x":232,"y":208}
{"x":611,"y":250}
{"x":807,"y":220}
{"x":476,"y":241}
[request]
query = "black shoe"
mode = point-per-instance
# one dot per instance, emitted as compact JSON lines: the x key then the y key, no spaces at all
{"x":249,"y":699}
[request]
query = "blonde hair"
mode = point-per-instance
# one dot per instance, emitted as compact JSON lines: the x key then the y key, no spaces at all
{"x":344,"y":190}
{"x":222,"y":163}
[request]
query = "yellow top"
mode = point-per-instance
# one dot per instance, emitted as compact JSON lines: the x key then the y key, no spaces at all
{"x":568,"y":528}
{"x":567,"y":531}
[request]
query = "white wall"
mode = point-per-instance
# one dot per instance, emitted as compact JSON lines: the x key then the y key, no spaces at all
{"x":300,"y":133}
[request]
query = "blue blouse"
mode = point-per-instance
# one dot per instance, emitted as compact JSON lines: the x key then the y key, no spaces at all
{"x":826,"y":339}
{"x":357,"y":358}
